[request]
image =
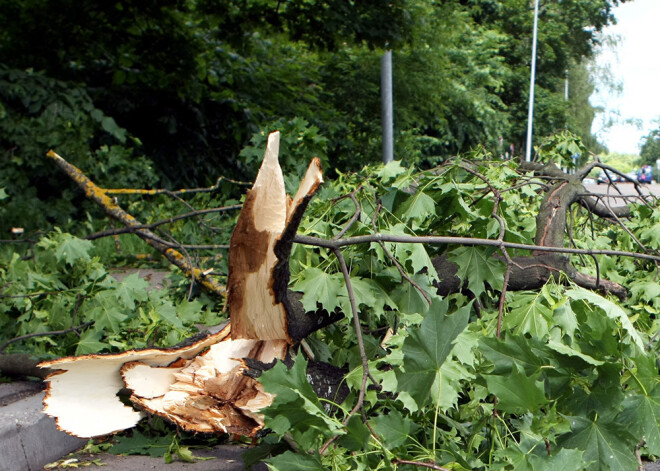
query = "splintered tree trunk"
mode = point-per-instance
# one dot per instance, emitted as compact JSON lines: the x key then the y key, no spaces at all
{"x":534,"y":271}
{"x":202,"y":387}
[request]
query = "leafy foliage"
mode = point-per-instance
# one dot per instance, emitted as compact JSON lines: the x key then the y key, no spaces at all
{"x":177,"y":91}
{"x":65,"y":285}
{"x":573,"y":372}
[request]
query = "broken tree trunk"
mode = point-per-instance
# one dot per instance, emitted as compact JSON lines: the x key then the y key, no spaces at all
{"x":203,"y":387}
{"x":534,"y":271}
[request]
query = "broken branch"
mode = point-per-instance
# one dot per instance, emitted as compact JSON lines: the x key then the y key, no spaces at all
{"x":112,"y":209}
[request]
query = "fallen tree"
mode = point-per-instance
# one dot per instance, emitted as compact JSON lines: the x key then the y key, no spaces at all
{"x":532,"y":256}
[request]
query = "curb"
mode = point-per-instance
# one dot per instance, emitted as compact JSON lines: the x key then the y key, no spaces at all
{"x":29,"y":439}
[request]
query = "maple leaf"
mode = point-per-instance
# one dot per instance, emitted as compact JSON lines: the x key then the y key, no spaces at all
{"x":612,"y":310}
{"x":71,"y":249}
{"x":478,"y":266}
{"x":517,"y":393}
{"x":131,"y":289}
{"x":90,"y":342}
{"x":641,"y":413}
{"x":394,"y":428}
{"x":528,"y":315}
{"x":417,"y":208}
{"x":319,"y":286}
{"x":296,"y":408}
{"x":607,"y":444}
{"x":426,"y":348}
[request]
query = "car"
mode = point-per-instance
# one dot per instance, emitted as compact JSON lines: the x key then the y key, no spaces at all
{"x":609,"y":177}
{"x":645,"y":174}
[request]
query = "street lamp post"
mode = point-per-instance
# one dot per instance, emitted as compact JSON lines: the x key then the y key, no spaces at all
{"x":387,"y":106}
{"x":532,"y":77}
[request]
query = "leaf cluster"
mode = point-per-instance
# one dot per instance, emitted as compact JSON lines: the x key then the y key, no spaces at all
{"x":65,"y":286}
{"x":570,"y":382}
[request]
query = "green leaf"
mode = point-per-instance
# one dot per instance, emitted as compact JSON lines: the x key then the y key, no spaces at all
{"x":319,"y":286}
{"x":370,"y":293}
{"x":132,"y":289}
{"x":390,"y":171}
{"x":106,"y":312}
{"x":517,"y":393}
{"x":71,"y":249}
{"x":648,"y":291}
{"x":566,"y":350}
{"x":408,"y":298}
{"x":190,"y":311}
{"x":565,"y":318}
{"x":528,"y":315}
{"x":140,"y":444}
{"x":641,"y":414}
{"x":426,"y":348}
{"x":394,"y":428}
{"x":513,"y":350}
{"x":417,"y":257}
{"x":167,"y":311}
{"x":417,"y":208}
{"x":89,"y":342}
{"x":357,"y":434}
{"x":478,"y":266}
{"x":296,"y":408}
{"x":607,"y":444}
{"x":563,"y":460}
{"x":290,"y":461}
{"x":110,"y":126}
{"x":612,"y":310}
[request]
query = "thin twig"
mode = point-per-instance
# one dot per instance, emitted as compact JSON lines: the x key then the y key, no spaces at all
{"x":188,"y":191}
{"x":358,"y":333}
{"x":42,"y":334}
{"x":597,"y":271}
{"x":500,"y":308}
{"x":638,"y":455}
{"x":129,"y":230}
{"x":395,"y":261}
{"x":333,"y":244}
{"x":355,"y":216}
{"x":623,"y":226}
{"x":112,"y":209}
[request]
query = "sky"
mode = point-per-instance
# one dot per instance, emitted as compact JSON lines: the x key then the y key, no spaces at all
{"x":633,"y":63}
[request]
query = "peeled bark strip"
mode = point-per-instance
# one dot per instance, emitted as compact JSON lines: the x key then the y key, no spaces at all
{"x":260,"y":247}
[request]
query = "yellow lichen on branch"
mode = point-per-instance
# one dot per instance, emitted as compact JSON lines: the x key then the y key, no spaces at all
{"x":112,"y":209}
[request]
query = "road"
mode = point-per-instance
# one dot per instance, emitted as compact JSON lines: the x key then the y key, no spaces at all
{"x":626,"y":189}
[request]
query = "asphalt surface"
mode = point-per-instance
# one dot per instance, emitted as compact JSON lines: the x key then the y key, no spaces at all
{"x":623,"y":193}
{"x":29,"y":441}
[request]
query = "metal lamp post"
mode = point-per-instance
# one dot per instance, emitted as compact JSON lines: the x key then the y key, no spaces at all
{"x":532,"y":77}
{"x":387,"y":106}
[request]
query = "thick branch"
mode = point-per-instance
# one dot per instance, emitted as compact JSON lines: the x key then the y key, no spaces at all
{"x":112,"y":209}
{"x":597,"y":207}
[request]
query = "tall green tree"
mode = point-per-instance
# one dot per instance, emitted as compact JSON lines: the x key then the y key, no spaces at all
{"x":650,"y":152}
{"x":190,"y":84}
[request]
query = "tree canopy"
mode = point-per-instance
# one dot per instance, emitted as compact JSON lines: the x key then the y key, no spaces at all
{"x":188,"y":85}
{"x":464,"y":311}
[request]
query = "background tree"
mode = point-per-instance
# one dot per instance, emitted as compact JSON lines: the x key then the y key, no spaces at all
{"x":650,"y":152}
{"x":190,"y":85}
